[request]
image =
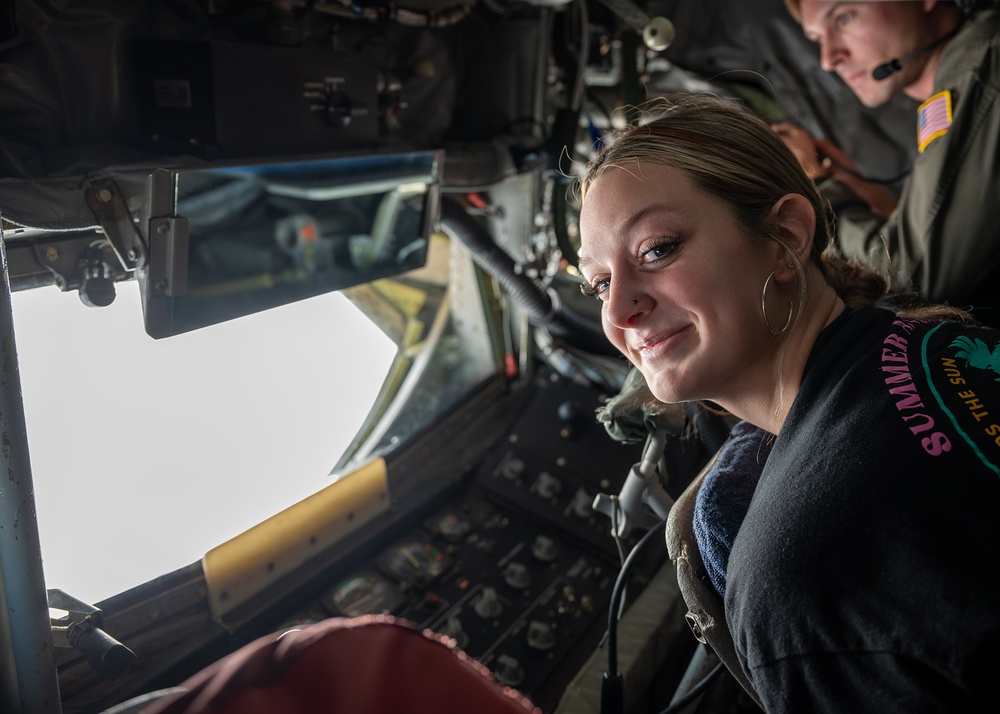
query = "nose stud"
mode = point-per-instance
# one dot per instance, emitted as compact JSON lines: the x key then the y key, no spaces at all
{"x":635,"y":301}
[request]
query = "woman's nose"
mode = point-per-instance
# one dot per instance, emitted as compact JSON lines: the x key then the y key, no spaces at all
{"x":623,"y":307}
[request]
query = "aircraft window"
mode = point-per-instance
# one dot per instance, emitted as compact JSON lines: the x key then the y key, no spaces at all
{"x":147,"y":453}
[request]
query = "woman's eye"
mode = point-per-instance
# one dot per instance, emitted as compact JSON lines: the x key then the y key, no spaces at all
{"x":598,"y":289}
{"x":659,"y":251}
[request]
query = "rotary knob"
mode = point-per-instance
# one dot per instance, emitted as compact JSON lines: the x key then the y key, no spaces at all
{"x":512,"y":468}
{"x":453,"y":628}
{"x":544,"y":549}
{"x":509,"y":671}
{"x":488,"y":605}
{"x":341,"y":109}
{"x":547,"y":485}
{"x":517,"y":576}
{"x":541,"y":636}
{"x":582,"y":504}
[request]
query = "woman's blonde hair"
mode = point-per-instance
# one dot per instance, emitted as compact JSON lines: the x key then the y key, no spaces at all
{"x":725,"y":149}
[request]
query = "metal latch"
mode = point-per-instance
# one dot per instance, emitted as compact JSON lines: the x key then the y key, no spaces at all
{"x":108,"y":207}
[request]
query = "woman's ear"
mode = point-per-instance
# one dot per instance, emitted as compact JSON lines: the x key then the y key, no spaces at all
{"x":795,"y":217}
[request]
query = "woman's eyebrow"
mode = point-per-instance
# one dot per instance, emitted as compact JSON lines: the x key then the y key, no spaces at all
{"x":629,"y":224}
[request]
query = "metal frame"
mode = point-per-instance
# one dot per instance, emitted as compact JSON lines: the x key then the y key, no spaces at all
{"x":28,"y":678}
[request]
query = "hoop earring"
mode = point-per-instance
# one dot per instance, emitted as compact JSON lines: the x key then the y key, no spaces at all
{"x":763,"y":309}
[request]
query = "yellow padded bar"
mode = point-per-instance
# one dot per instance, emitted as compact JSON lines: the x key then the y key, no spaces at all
{"x":245,"y":565}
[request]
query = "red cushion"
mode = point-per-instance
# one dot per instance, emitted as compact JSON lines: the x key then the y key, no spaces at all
{"x":373,"y":663}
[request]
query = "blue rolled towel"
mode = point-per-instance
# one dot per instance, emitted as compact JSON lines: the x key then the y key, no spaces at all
{"x":724,"y":497}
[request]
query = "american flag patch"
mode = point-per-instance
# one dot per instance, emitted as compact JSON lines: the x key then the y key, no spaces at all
{"x":933,"y":119}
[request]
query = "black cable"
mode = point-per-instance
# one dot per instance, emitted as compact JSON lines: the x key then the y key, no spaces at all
{"x":633,"y":92}
{"x":612,"y":691}
{"x":560,"y":222}
{"x":561,"y":320}
{"x":696,"y":690}
{"x":612,"y":688}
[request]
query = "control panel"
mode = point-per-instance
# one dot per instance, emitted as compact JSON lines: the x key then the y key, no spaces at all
{"x":515,"y":565}
{"x":514,"y":595}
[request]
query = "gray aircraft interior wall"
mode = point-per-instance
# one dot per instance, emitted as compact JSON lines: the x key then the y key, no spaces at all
{"x":68,"y":86}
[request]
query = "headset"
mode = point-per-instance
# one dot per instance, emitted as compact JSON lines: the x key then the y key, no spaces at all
{"x":894,"y":65}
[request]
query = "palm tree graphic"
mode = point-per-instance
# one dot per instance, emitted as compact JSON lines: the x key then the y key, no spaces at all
{"x":977,"y":353}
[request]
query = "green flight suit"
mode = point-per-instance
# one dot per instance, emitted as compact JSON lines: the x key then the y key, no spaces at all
{"x":943,"y":239}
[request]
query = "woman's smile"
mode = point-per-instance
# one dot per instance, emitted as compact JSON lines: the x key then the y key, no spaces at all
{"x":661,"y":345}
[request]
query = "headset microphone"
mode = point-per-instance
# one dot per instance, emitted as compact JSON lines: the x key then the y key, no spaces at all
{"x":893,"y":66}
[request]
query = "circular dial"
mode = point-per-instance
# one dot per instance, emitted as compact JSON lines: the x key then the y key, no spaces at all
{"x":362,"y":594}
{"x":415,"y":563}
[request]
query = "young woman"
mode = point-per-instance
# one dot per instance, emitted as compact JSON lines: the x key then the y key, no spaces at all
{"x":864,"y":574}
